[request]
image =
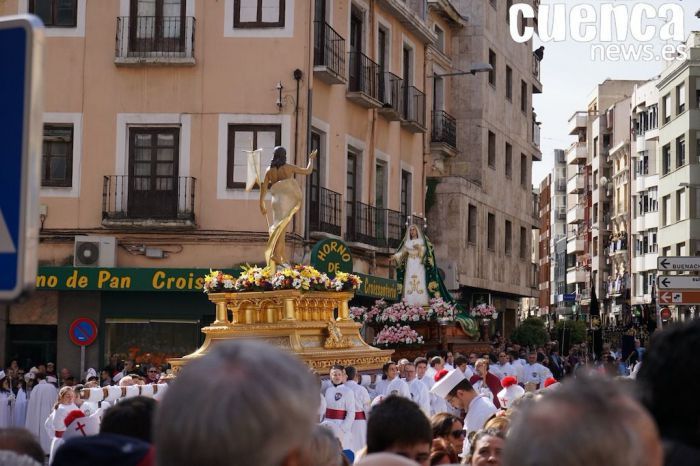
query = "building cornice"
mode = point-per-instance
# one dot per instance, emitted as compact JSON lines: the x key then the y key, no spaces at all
{"x":410,"y":20}
{"x":447,"y":10}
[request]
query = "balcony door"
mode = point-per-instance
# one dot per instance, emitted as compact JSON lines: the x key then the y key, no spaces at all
{"x":351,"y":194}
{"x":315,"y":183}
{"x":157,"y":26}
{"x":382,"y":62}
{"x":355,"y":69}
{"x":380,"y":189}
{"x":153,"y":169}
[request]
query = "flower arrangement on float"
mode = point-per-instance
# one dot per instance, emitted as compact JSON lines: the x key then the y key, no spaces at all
{"x":297,"y":277}
{"x":397,"y":335}
{"x":401,"y":312}
{"x":484,"y":311}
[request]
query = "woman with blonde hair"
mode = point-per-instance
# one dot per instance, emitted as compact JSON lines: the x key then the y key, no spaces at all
{"x":55,"y":425}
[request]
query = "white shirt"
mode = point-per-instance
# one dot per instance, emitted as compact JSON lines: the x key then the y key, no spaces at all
{"x":468,"y":372}
{"x":341,"y":398}
{"x":399,"y":387}
{"x":362,"y":400}
{"x":507,"y":369}
{"x":535,"y":373}
{"x":479,"y":411}
{"x":420,"y":395}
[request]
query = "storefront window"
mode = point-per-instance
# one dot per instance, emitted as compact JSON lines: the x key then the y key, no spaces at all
{"x":150,"y":341}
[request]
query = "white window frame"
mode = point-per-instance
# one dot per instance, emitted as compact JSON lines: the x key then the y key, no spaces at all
{"x":226,"y":119}
{"x":406,"y":42}
{"x":287,"y":31}
{"x":77,"y":31}
{"x":408,"y":168}
{"x":386,"y":25}
{"x":75,"y":119}
{"x":152,"y":120}
{"x":385,"y":158}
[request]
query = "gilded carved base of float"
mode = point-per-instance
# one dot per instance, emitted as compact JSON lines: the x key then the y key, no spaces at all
{"x":304,"y":323}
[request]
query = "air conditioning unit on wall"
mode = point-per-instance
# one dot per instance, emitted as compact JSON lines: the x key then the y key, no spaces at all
{"x":449,"y":276}
{"x":95,"y":251}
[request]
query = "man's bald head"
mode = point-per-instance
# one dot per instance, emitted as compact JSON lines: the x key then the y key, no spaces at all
{"x":587,"y":421}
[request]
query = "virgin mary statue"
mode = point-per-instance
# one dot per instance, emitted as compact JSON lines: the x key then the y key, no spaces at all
{"x":410,"y":258}
{"x":420,"y":280}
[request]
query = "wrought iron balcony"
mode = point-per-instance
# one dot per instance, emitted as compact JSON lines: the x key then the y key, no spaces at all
{"x":325,"y":211}
{"x":329,"y":54}
{"x":363,"y":80}
{"x":413,"y":109}
{"x":444,"y":129}
{"x":155,"y":39}
{"x":155,"y":199}
{"x":362,"y":221}
{"x":390,"y":95}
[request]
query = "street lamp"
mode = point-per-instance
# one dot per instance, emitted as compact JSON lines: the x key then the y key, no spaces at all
{"x":477,"y":68}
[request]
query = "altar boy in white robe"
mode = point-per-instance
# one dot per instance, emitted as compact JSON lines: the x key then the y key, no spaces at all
{"x":340,"y":407}
{"x":362,"y":406}
{"x":41,"y":401}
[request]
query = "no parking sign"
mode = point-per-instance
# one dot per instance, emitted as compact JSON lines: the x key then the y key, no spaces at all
{"x":83,"y":331}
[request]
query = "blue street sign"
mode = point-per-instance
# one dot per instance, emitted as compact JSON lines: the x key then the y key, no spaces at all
{"x":20,"y":132}
{"x":570,"y":297}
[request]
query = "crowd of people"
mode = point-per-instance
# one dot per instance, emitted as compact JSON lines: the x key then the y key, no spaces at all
{"x":248,"y":403}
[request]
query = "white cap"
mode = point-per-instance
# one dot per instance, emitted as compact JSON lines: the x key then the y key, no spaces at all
{"x":447,"y":382}
{"x":510,"y":393}
{"x":51,"y":379}
{"x":83,"y":426}
{"x":29,"y":376}
{"x":2,"y":375}
{"x":34,"y":370}
{"x":365,"y":380}
{"x":90,"y":373}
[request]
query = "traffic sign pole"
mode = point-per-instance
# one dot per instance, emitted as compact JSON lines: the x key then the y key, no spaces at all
{"x":82,"y":361}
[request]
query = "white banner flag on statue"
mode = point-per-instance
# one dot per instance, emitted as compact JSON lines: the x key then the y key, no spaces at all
{"x":253,"y":176}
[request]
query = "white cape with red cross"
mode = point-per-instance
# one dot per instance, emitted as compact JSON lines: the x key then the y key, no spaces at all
{"x":81,"y":425}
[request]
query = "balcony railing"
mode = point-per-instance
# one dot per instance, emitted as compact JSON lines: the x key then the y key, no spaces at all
{"x":413,"y":106}
{"x":158,"y":38}
{"x":164,"y":198}
{"x":329,"y":48}
{"x":444,"y":128}
{"x":390,"y":87}
{"x":325,"y":211}
{"x":363,"y":75}
{"x":383,"y":228}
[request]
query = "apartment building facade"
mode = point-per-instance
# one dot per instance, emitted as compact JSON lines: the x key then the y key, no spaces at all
{"x":598,"y":214}
{"x":678,"y":159}
{"x":645,"y":195}
{"x":144,"y":153}
{"x":618,"y":286}
{"x":481,"y":198}
{"x":560,"y":300}
{"x":544,"y":238}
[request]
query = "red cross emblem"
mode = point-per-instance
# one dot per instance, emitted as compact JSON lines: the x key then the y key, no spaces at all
{"x":81,"y":428}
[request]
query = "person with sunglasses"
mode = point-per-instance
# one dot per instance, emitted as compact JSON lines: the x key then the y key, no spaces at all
{"x":152,"y":374}
{"x":449,"y":428}
{"x":460,"y":394}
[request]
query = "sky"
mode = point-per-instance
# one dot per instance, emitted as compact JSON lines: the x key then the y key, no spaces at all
{"x":569,"y":74}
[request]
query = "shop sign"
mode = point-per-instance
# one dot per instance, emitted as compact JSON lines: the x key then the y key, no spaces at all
{"x":331,"y":256}
{"x":121,"y":279}
{"x":378,"y":287}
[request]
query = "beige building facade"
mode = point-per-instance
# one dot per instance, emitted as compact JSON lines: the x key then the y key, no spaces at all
{"x":481,"y":208}
{"x":678,"y":159}
{"x":144,"y":151}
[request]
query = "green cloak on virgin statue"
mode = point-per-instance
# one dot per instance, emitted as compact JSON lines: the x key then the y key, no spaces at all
{"x":419,"y":278}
